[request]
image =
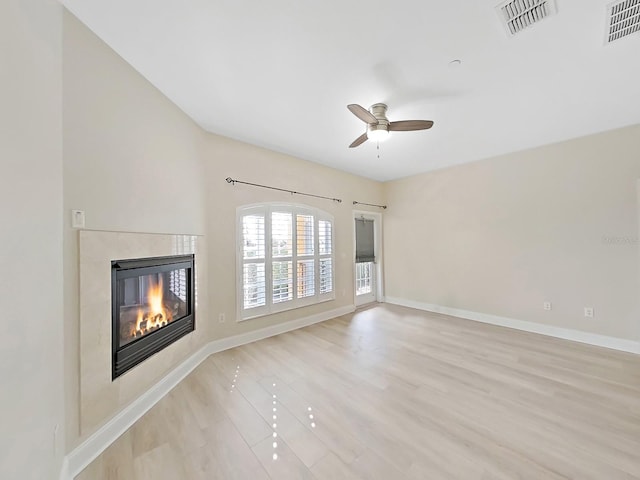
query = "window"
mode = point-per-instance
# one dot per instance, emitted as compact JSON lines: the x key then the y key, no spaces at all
{"x":364,"y":278}
{"x":285,"y":258}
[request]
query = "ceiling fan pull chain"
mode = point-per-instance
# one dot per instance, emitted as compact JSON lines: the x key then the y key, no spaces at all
{"x":378,"y":148}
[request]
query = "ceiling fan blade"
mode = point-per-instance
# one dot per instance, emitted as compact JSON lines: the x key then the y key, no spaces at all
{"x":407,"y":125}
{"x":362,"y":113}
{"x":359,"y":141}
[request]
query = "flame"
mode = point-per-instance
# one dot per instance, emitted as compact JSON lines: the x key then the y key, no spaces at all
{"x":154,"y":299}
{"x":139,"y":321}
{"x":155,"y":315}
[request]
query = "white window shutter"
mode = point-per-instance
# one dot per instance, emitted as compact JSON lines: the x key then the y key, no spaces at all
{"x":285,"y":256}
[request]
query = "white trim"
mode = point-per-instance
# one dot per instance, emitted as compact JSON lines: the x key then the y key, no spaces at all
{"x":542,"y":329}
{"x":78,"y":459}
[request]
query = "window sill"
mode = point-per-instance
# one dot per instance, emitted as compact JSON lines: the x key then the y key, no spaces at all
{"x":277,"y":309}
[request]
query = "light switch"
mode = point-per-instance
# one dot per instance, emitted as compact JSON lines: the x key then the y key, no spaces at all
{"x":77,"y":218}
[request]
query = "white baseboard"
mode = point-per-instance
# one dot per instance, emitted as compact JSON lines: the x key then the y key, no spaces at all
{"x":78,"y":459}
{"x":244,"y":338}
{"x":542,"y":329}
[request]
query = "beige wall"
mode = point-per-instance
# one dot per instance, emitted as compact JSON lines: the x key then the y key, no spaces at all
{"x":228,"y":158}
{"x":31,"y":240}
{"x":503,"y":235}
{"x":132,"y":162}
{"x":126,"y":146}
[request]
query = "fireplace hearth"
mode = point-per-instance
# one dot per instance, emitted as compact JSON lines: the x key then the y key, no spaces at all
{"x":153,"y":305}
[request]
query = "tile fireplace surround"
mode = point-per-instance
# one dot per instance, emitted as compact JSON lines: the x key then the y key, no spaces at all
{"x":100,"y":397}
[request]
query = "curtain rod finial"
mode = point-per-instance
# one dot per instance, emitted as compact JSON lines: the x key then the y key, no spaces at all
{"x":230,"y":180}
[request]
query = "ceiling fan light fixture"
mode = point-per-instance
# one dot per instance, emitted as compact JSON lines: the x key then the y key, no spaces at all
{"x":377,"y":134}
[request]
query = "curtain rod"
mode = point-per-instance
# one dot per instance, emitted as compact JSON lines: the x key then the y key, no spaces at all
{"x":384,"y":207}
{"x":292,"y":192}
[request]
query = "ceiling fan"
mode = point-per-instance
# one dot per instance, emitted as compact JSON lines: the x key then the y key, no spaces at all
{"x":378,"y":126}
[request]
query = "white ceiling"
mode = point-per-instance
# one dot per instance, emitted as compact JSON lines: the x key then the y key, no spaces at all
{"x":279,"y":74}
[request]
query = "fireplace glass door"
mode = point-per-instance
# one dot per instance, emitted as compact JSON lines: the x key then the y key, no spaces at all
{"x":150,"y":302}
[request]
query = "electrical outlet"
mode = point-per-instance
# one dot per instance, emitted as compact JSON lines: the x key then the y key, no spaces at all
{"x":221,"y":318}
{"x":547,"y":305}
{"x":588,"y":312}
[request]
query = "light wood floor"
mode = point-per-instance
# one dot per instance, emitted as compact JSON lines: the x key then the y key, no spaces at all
{"x":392,"y":393}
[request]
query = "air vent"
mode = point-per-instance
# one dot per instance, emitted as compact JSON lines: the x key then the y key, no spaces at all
{"x":517,"y":15}
{"x":623,"y":19}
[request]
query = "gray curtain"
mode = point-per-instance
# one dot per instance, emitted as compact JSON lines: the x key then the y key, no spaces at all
{"x":364,"y":241}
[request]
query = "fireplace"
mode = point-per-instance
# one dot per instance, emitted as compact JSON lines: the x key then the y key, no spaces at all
{"x":153,"y":305}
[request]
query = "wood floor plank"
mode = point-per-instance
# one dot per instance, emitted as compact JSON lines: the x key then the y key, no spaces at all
{"x":225,"y":455}
{"x":391,"y":392}
{"x":330,"y":467}
{"x":280,"y":461}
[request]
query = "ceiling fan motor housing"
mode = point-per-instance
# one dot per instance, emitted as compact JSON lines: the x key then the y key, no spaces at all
{"x":379,"y":110}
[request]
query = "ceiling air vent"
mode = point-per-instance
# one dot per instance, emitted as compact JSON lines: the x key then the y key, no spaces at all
{"x":517,"y":15}
{"x":623,"y":19}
